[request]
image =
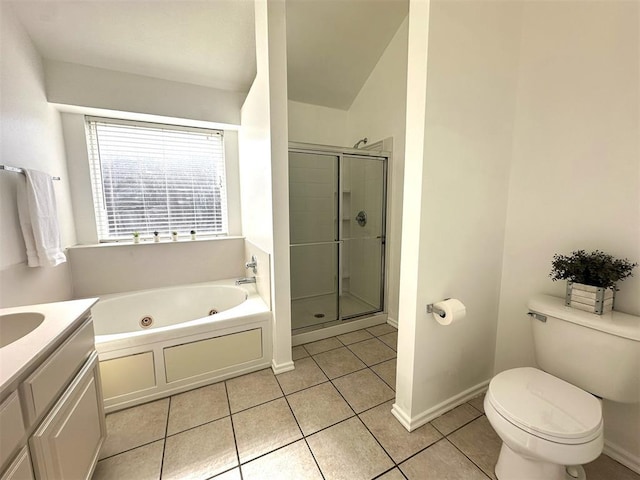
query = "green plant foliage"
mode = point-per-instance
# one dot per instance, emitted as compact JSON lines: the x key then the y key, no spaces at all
{"x":596,"y":268}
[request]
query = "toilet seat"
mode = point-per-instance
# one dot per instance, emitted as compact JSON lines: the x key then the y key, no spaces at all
{"x":546,"y":406}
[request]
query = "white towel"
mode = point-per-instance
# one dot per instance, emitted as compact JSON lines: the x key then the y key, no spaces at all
{"x":39,"y":220}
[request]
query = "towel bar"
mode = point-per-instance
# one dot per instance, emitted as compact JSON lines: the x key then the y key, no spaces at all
{"x":9,"y":168}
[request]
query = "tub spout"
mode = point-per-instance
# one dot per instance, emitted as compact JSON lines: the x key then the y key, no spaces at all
{"x":242,"y":281}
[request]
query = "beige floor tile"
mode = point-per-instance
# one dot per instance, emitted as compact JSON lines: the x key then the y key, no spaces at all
{"x":306,"y":374}
{"x":394,"y":438}
{"x":319,"y":407}
{"x":372,"y":351}
{"x":230,"y":475}
{"x":477,"y":403}
{"x":338,"y":362}
{"x":293,"y":462}
{"x":605,"y":468}
{"x":387,"y":371}
{"x":480,"y":443}
{"x":441,"y":462}
{"x":142,"y":463}
{"x":150,"y":422}
{"x":455,"y":418}
{"x":298,"y":352}
{"x":383,"y":329}
{"x":353,"y":337}
{"x":363,"y":390}
{"x":252,"y":389}
{"x":391,"y":339}
{"x":197,"y":407}
{"x":322,"y":345}
{"x":201,"y":452}
{"x":348,"y":451}
{"x":264,"y":428}
{"x":394,"y":474}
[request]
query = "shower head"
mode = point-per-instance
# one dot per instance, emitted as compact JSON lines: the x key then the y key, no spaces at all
{"x":362,"y":140}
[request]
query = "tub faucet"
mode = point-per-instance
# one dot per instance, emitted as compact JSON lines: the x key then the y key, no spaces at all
{"x":242,"y":281}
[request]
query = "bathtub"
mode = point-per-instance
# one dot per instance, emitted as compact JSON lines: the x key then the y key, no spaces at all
{"x":155,"y":343}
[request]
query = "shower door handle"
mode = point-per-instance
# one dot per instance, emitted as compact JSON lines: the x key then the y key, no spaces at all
{"x":340,"y":244}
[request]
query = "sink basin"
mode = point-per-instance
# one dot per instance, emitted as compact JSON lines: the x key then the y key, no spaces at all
{"x":14,"y":326}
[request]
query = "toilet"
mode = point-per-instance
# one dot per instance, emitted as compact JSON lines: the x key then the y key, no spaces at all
{"x":550,"y":418}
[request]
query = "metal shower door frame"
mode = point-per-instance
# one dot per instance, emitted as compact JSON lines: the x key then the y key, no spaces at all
{"x":340,"y":153}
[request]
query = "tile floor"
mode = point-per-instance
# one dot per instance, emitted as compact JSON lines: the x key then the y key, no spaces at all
{"x":327,"y":419}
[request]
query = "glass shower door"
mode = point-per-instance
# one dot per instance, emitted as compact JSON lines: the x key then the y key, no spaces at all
{"x":363,"y":234}
{"x":314,"y":241}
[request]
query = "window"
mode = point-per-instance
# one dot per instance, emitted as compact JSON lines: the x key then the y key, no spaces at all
{"x":150,"y":177}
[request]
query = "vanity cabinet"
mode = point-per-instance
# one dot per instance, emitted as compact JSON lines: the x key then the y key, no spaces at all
{"x":67,"y":442}
{"x":52,"y":421}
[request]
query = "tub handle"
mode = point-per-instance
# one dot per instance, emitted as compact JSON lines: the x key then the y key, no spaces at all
{"x":253,"y":264}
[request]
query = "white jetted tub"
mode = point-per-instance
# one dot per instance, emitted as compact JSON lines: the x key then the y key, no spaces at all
{"x":155,"y":343}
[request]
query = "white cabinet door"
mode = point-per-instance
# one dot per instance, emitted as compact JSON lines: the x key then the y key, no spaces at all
{"x":67,"y":443}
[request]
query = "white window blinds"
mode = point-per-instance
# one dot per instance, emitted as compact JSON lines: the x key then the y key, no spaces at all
{"x":150,"y":177}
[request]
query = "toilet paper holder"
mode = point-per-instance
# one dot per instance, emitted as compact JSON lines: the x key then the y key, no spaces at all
{"x":431,"y":308}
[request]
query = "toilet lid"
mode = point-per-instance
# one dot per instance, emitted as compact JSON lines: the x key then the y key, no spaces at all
{"x":542,"y":403}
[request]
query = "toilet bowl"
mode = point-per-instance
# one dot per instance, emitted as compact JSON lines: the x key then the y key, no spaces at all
{"x":545,"y":423}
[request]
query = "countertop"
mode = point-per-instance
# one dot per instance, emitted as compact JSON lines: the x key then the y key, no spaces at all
{"x":21,"y":356}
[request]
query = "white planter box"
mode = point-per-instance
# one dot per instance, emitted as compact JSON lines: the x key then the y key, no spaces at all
{"x":592,"y":299}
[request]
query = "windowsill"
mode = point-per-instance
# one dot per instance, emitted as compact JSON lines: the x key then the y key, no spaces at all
{"x":163,"y":241}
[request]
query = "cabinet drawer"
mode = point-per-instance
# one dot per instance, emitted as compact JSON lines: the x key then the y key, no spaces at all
{"x":11,"y":427}
{"x":20,"y":469}
{"x":42,"y":387}
{"x":67,"y":443}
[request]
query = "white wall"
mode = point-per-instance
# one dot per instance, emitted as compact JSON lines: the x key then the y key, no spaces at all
{"x":263,"y":167}
{"x":112,"y":268}
{"x":31,"y":137}
{"x":575,"y":175}
{"x":317,"y":124}
{"x":73,"y":84}
{"x":379,"y":112}
{"x":456,"y":181}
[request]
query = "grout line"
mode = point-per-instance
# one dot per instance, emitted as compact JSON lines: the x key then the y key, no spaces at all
{"x":357,"y":415}
{"x":468,"y":458}
{"x":135,"y":448}
{"x":457,"y":428}
{"x":164,"y":439}
{"x":304,"y":437}
{"x":233,"y":430}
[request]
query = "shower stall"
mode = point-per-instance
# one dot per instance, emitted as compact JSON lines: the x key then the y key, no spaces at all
{"x":337,"y":213}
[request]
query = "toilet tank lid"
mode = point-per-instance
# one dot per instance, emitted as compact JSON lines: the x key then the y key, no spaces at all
{"x":615,"y":323}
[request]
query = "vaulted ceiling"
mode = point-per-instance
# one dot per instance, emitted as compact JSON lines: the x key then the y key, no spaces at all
{"x":333,"y":45}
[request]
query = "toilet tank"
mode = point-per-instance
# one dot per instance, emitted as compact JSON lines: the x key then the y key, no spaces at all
{"x":598,"y":353}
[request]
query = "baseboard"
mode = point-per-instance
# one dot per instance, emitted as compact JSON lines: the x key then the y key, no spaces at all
{"x":281,"y":367}
{"x":621,"y":455}
{"x":392,"y":321}
{"x":411,"y":423}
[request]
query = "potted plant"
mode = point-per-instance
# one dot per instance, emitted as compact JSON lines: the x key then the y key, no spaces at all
{"x":174,"y":236}
{"x":193,"y":234}
{"x":591,"y":278}
{"x":136,"y":237}
{"x":156,"y":238}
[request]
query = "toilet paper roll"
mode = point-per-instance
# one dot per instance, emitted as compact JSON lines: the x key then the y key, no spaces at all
{"x":453,"y":309}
